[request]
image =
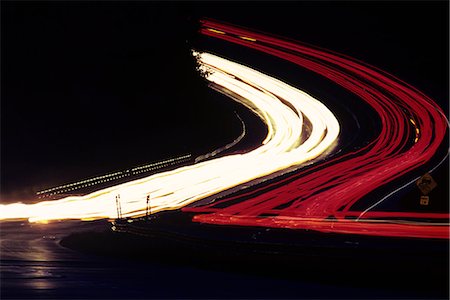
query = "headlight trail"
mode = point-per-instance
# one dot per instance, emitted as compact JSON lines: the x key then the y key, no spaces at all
{"x":282,"y":107}
{"x":321,"y":198}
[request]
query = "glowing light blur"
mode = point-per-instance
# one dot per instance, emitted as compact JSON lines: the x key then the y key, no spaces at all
{"x":280,"y":106}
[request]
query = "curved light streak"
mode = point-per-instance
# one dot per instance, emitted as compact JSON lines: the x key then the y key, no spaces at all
{"x":226,"y":147}
{"x":279,"y":105}
{"x":321,"y":198}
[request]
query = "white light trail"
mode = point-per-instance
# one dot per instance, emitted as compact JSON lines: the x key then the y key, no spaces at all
{"x":280,"y":106}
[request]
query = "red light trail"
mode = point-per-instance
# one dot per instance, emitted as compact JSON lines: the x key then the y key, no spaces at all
{"x":321,"y":198}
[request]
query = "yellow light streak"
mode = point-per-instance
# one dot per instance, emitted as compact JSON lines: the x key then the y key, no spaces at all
{"x":216,"y":31}
{"x":281,"y":149}
{"x":248,"y":38}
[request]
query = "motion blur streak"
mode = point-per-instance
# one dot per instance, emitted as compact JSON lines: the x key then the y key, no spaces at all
{"x":282,"y":107}
{"x":320,"y":198}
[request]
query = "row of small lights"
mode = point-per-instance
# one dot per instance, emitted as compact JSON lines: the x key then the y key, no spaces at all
{"x":78,"y":183}
{"x":113,"y":176}
{"x":162,"y":162}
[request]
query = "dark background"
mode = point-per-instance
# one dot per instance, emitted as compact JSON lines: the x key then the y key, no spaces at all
{"x":93,"y":87}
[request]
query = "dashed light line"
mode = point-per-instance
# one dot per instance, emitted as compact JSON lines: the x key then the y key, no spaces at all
{"x":112,"y":176}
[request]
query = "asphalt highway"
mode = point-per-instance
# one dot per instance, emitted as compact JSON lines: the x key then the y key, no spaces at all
{"x":34,"y":265}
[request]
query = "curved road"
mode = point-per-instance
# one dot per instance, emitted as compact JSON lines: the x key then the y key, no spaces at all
{"x":413,"y":127}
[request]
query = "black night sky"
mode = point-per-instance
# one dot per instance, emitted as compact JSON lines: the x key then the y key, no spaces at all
{"x":92,"y":87}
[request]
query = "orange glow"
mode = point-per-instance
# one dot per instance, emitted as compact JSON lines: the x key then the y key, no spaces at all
{"x":216,"y":31}
{"x":247,"y":38}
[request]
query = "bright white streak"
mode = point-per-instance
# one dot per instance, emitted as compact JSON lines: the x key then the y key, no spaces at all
{"x":169,"y":190}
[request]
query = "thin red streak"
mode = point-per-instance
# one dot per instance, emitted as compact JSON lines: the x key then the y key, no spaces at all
{"x":338,"y":226}
{"x":393,"y":214}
